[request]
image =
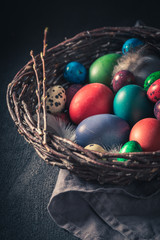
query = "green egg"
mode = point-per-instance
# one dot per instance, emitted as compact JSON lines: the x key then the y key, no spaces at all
{"x":151,"y":79}
{"x":101,"y":69}
{"x":130,"y":146}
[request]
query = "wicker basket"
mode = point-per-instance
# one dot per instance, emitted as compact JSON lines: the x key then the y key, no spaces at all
{"x":22,"y":100}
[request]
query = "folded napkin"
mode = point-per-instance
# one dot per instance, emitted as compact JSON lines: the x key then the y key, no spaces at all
{"x":91,"y":211}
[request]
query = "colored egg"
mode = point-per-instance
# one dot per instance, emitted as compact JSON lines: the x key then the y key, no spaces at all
{"x":75,"y":72}
{"x":153,"y":92}
{"x":70,"y":92}
{"x":101,"y":69}
{"x":131,"y":45}
{"x":92,"y":99}
{"x":151,"y":79}
{"x":121,"y":79}
{"x":130,"y":146}
{"x":105,"y":130}
{"x":56,"y":99}
{"x":132,"y":104}
{"x":95,"y":147}
{"x":157,"y":110}
{"x":147,"y":133}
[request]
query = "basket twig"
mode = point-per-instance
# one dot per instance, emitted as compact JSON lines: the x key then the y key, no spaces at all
{"x":44,"y":41}
{"x":42,"y":55}
{"x":37,"y":93}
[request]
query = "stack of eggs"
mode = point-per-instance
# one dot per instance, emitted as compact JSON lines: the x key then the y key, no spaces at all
{"x":110,"y":110}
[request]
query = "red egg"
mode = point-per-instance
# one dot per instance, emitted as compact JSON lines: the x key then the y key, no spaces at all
{"x":153,"y":92}
{"x":147,"y":133}
{"x":71,"y":91}
{"x":92,"y":99}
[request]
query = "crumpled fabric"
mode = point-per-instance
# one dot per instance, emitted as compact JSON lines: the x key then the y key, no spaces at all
{"x":91,"y":211}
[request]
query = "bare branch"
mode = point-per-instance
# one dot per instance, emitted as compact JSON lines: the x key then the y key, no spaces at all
{"x":37,"y":93}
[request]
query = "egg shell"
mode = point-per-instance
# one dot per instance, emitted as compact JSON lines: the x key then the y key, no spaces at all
{"x":92,"y":99}
{"x":70,"y":92}
{"x":75,"y":72}
{"x":106,"y":130}
{"x":131,"y":45}
{"x":121,"y":79}
{"x":101,"y":69}
{"x":153,"y":92}
{"x":130,"y":146}
{"x":157,"y":110}
{"x":151,"y":79}
{"x":95,"y":147}
{"x":132,"y":104}
{"x":56,"y":99}
{"x":147,"y":133}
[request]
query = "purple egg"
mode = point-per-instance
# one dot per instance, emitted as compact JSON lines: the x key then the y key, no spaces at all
{"x":157,"y":110}
{"x":106,"y":130}
{"x":121,"y":79}
{"x":71,"y":91}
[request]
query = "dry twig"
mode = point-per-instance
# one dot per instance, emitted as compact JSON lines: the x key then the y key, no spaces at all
{"x":37,"y":93}
{"x":42,"y":55}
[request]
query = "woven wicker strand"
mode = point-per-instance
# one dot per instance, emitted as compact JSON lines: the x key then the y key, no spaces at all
{"x":45,"y":70}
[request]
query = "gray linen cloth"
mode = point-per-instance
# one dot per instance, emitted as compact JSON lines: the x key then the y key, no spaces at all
{"x":91,"y":211}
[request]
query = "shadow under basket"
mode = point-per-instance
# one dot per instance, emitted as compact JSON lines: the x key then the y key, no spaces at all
{"x":85,"y":47}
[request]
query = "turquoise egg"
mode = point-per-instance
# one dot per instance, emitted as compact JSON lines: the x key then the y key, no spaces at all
{"x":132,"y":104}
{"x":131,"y":45}
{"x":75,"y":72}
{"x":130,"y":146}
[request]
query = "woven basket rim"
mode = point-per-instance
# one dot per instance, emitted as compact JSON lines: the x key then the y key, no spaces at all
{"x":68,"y":154}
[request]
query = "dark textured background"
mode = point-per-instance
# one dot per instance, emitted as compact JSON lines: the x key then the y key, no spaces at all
{"x":26,"y":182}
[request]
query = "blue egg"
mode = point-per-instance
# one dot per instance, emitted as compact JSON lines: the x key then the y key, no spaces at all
{"x":75,"y":72}
{"x":131,"y":45}
{"x":106,"y":130}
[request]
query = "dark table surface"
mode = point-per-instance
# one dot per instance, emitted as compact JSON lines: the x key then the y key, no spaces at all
{"x":27,"y":181}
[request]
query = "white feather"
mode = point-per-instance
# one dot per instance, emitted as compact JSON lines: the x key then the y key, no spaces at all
{"x":113,"y":149}
{"x":141,"y":63}
{"x":58,"y":126}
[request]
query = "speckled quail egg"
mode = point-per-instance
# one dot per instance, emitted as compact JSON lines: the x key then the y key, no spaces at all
{"x":56,"y":99}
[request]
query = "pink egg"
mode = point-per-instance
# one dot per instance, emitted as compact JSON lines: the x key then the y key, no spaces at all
{"x":153,"y":92}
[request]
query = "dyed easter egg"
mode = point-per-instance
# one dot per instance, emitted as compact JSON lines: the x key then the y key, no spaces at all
{"x":131,"y":45}
{"x":101,"y":69}
{"x":147,"y":133}
{"x":95,"y":147}
{"x":153,"y":92}
{"x":92,"y":99}
{"x":106,"y":130}
{"x":75,"y":72}
{"x":122,"y":78}
{"x":157,"y":110}
{"x":70,"y":92}
{"x":130,"y":146}
{"x":151,"y":79}
{"x":56,"y":99}
{"x":132,"y":104}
